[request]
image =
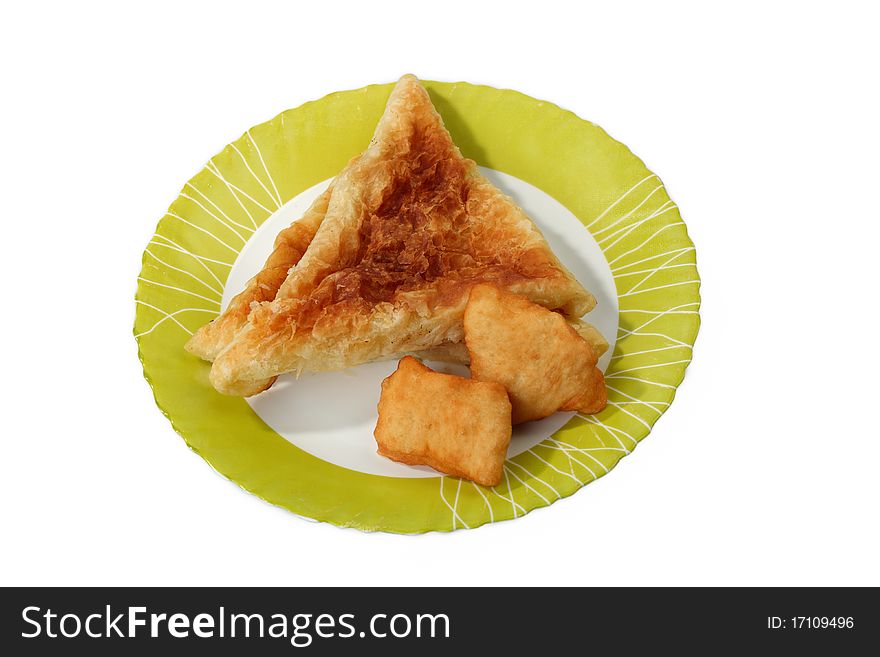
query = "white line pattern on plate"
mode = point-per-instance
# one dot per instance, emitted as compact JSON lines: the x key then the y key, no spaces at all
{"x":215,"y":206}
{"x":646,"y":241}
{"x":256,"y":177}
{"x":265,"y":168}
{"x":628,"y":214}
{"x":171,"y":245}
{"x":199,"y":228}
{"x":183,"y":271}
{"x":656,"y":256}
{"x":233,"y":190}
{"x":486,"y":500}
{"x":178,"y":289}
{"x":167,"y":316}
{"x":231,"y":225}
{"x":619,"y":199}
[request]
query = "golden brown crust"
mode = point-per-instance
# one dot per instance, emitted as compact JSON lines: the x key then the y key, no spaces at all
{"x":290,"y":245}
{"x":411,"y":226}
{"x":542,"y":362}
{"x":594,"y":396}
{"x":452,"y":424}
{"x":591,"y":334}
{"x":457,"y":353}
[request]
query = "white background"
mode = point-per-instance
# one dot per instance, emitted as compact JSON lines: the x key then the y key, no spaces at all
{"x":762,"y":120}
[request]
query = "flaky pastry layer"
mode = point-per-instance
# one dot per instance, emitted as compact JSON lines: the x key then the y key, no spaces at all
{"x":410,"y":227}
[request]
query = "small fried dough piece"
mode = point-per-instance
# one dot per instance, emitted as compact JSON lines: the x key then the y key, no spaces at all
{"x":455,"y":425}
{"x":544,"y":364}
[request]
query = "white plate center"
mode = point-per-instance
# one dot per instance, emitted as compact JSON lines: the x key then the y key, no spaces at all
{"x":331,"y":415}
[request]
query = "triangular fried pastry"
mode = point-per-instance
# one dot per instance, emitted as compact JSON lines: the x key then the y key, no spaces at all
{"x":544,"y":363}
{"x":410,"y":227}
{"x":290,"y":245}
{"x":288,"y":248}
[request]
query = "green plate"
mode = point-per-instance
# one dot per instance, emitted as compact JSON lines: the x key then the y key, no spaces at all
{"x":622,"y":204}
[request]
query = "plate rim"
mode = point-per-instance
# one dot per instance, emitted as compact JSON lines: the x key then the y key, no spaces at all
{"x":678,"y":369}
